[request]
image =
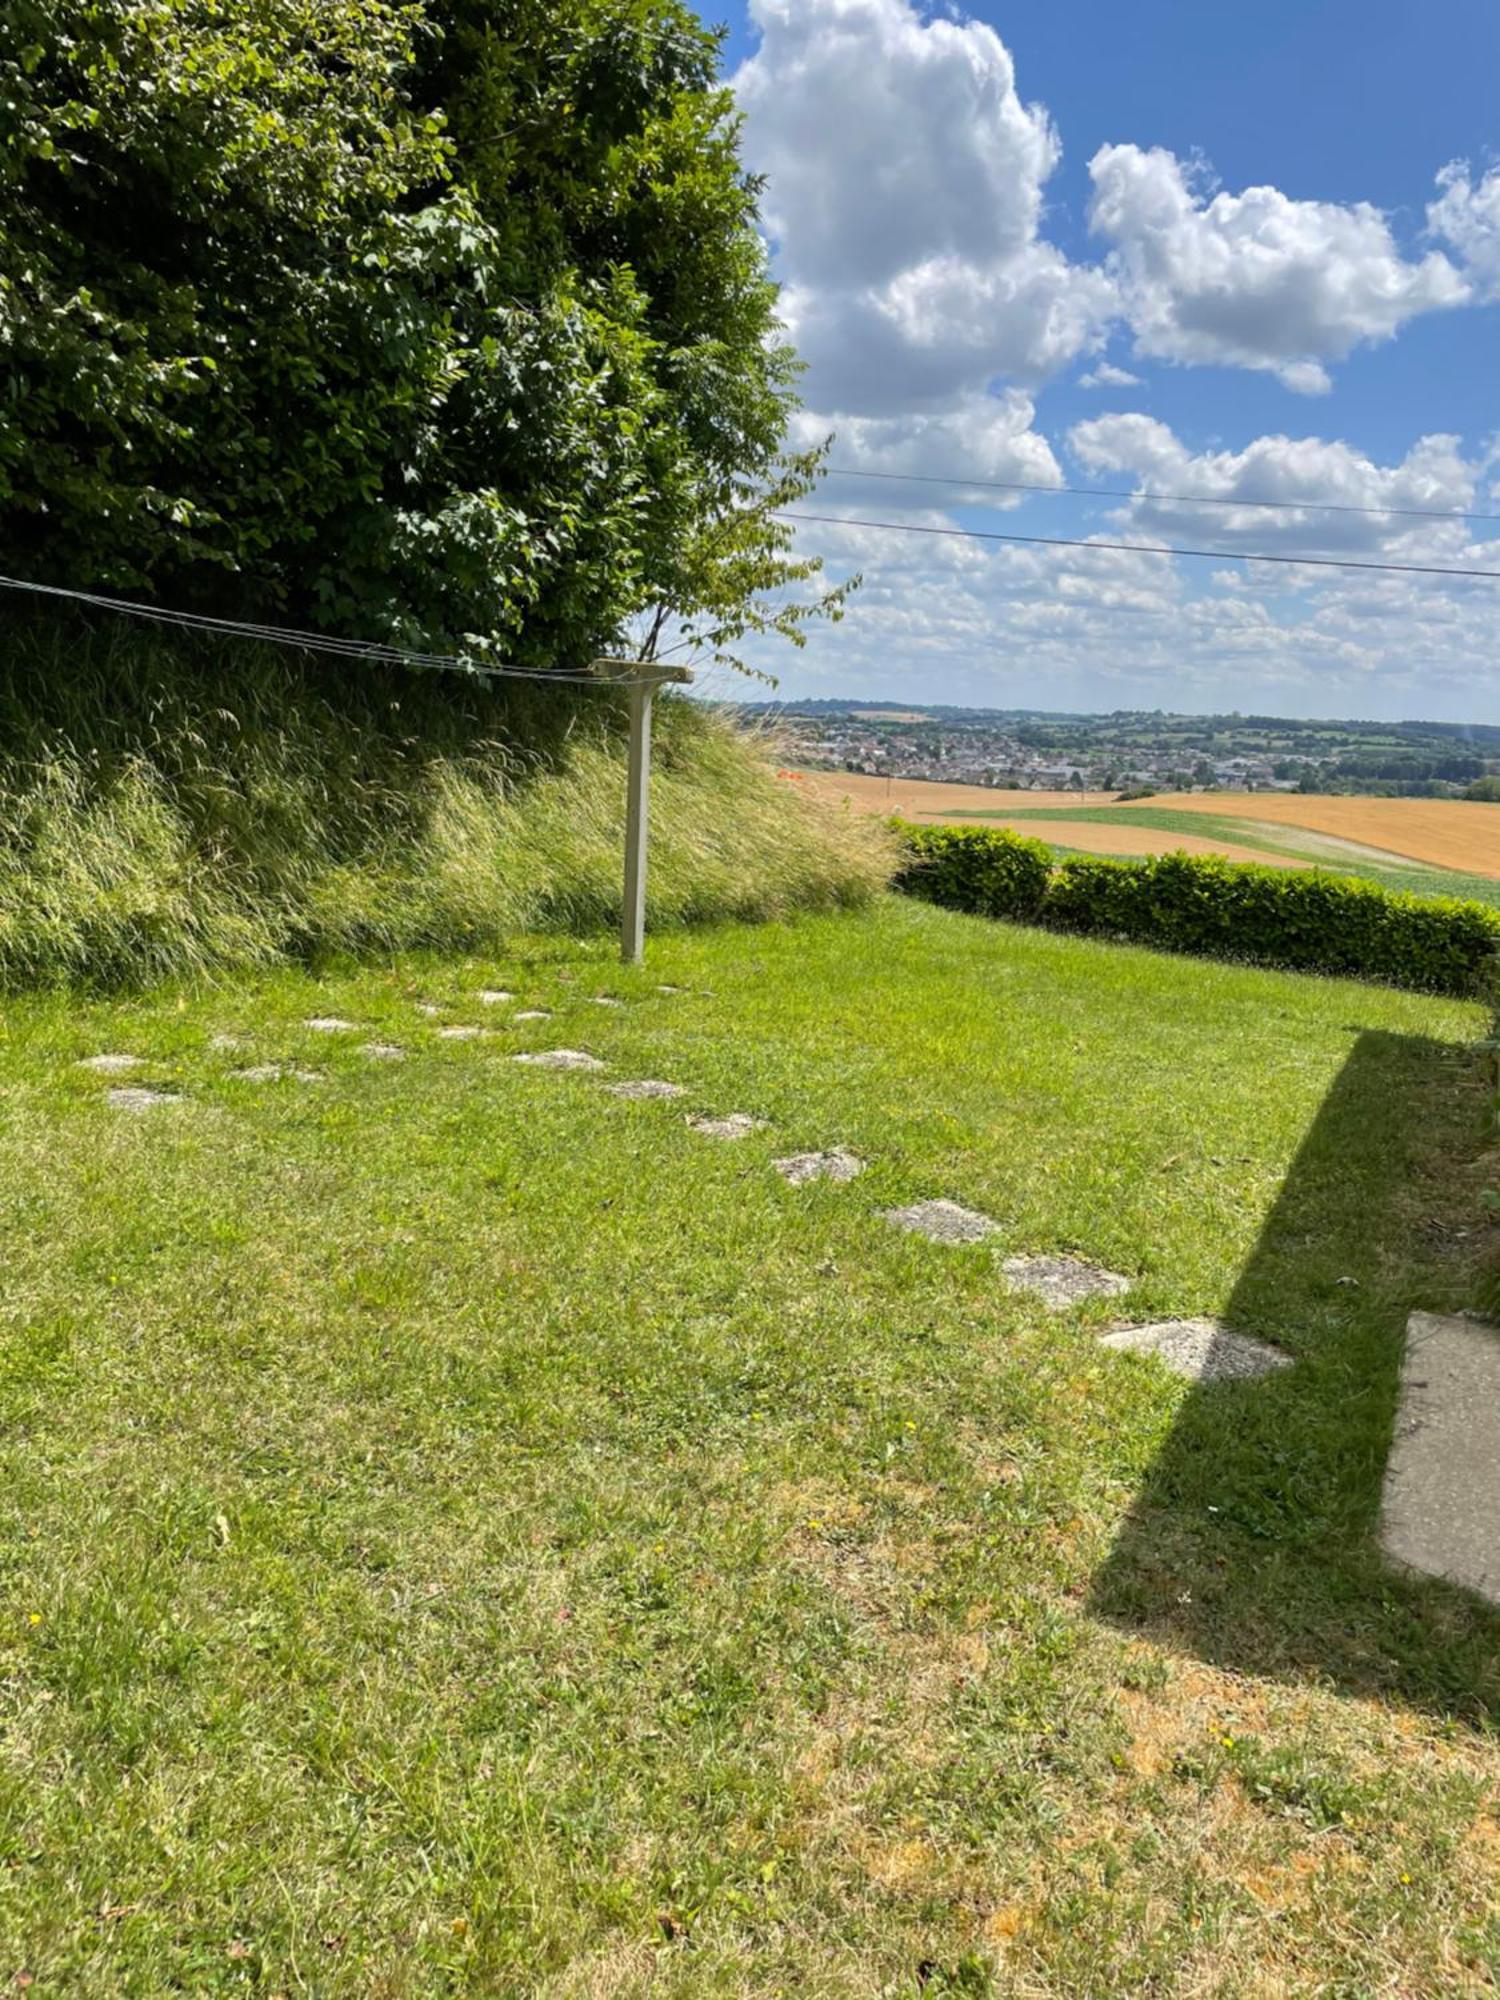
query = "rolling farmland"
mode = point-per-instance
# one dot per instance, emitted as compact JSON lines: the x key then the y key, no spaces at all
{"x":1428,"y":846}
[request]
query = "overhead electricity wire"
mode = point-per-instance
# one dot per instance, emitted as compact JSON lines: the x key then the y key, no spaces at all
{"x":1174,"y":499}
{"x":375,"y":651}
{"x":1141,"y":548}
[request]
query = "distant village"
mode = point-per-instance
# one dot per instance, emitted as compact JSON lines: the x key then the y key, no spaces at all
{"x":980,"y":756}
{"x":1134,"y":751}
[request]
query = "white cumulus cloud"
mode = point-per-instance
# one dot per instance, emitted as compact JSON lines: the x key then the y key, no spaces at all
{"x":1254,"y":280}
{"x":988,"y":436}
{"x":1466,"y":215}
{"x":1309,"y":480}
{"x":904,"y":199}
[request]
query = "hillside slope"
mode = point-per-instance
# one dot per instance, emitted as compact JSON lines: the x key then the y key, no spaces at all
{"x":171,"y":810}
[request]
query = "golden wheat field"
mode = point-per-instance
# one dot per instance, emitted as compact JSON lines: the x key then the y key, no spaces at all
{"x":1435,"y":833}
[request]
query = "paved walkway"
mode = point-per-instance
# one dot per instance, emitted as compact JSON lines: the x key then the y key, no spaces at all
{"x":1441,"y":1509}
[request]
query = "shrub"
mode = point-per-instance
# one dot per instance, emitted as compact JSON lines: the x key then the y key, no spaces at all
{"x":1301,"y":919}
{"x":983,"y":870}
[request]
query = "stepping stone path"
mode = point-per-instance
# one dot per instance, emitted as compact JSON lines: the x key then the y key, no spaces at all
{"x":1200,"y":1349}
{"x":604,"y":1000}
{"x":532,"y":1014}
{"x":800,"y":1168}
{"x":1440,"y":1512}
{"x":647,"y":1087}
{"x":671,"y":989}
{"x":943,"y":1221}
{"x":110,"y":1065}
{"x":494,"y":996}
{"x":136,"y":1097}
{"x":330,"y":1024}
{"x":228,"y":1045}
{"x":457,"y":1033}
{"x":427,"y":1007}
{"x":738,"y":1125}
{"x":560,"y":1059}
{"x":273,"y":1073}
{"x":383,"y":1051}
{"x":1060,"y":1282}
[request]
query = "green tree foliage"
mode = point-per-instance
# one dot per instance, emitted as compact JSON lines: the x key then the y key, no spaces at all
{"x":438,"y":321}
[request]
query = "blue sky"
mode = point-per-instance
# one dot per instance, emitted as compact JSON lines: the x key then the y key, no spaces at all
{"x":1276,"y":231}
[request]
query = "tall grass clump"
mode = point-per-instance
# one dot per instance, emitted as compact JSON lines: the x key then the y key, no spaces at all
{"x":173,"y":808}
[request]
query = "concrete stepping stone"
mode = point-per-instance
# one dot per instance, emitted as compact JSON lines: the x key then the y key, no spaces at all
{"x":942,"y":1221}
{"x":671,"y":989}
{"x":225,"y":1044}
{"x":383,"y":1051}
{"x":494,"y":996}
{"x":330,"y":1024}
{"x":797,"y":1169}
{"x":457,"y":1032}
{"x":560,"y":1059}
{"x":532,"y":1014}
{"x":1440,"y":1510}
{"x":274,"y":1072}
{"x":137,"y":1097}
{"x":1202,"y":1350}
{"x":606,"y":1000}
{"x":428,"y":1007}
{"x":738,"y":1125}
{"x":110,"y":1065}
{"x":1060,"y":1282}
{"x":647,"y":1087}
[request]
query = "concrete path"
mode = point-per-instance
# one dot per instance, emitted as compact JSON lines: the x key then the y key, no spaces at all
{"x":1441,"y":1509}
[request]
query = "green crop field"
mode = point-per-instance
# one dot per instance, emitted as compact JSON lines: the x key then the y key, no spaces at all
{"x":466,"y":1532}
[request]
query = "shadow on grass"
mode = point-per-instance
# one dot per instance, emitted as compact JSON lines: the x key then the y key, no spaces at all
{"x":1252,"y":1542}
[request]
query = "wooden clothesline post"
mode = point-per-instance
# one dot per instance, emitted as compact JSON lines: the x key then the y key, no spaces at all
{"x":642,"y":678}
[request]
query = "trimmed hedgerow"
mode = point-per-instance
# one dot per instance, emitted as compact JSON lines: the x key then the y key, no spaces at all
{"x":1301,"y":919}
{"x":982,"y":870}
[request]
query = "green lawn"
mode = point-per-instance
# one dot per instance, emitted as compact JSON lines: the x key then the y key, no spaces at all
{"x":466,"y":1533}
{"x":1413,"y":878}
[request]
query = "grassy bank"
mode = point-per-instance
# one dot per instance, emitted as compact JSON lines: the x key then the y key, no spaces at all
{"x":465,"y":1532}
{"x":173,"y":810}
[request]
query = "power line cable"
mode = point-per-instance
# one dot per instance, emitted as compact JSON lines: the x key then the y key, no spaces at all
{"x":1175,"y":499}
{"x":1140,"y":548}
{"x":374,"y":651}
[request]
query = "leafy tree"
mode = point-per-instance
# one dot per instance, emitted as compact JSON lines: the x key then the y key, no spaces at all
{"x":440,"y":321}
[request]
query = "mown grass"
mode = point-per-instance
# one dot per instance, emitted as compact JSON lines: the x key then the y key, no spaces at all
{"x":1414,"y":880}
{"x":463,"y":1532}
{"x":176,"y":810}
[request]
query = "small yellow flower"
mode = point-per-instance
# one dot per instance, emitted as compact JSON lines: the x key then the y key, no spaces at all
{"x":35,"y":1618}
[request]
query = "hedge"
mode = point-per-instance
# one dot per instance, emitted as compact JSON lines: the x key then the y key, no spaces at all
{"x":1301,"y":919}
{"x":978,"y":869}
